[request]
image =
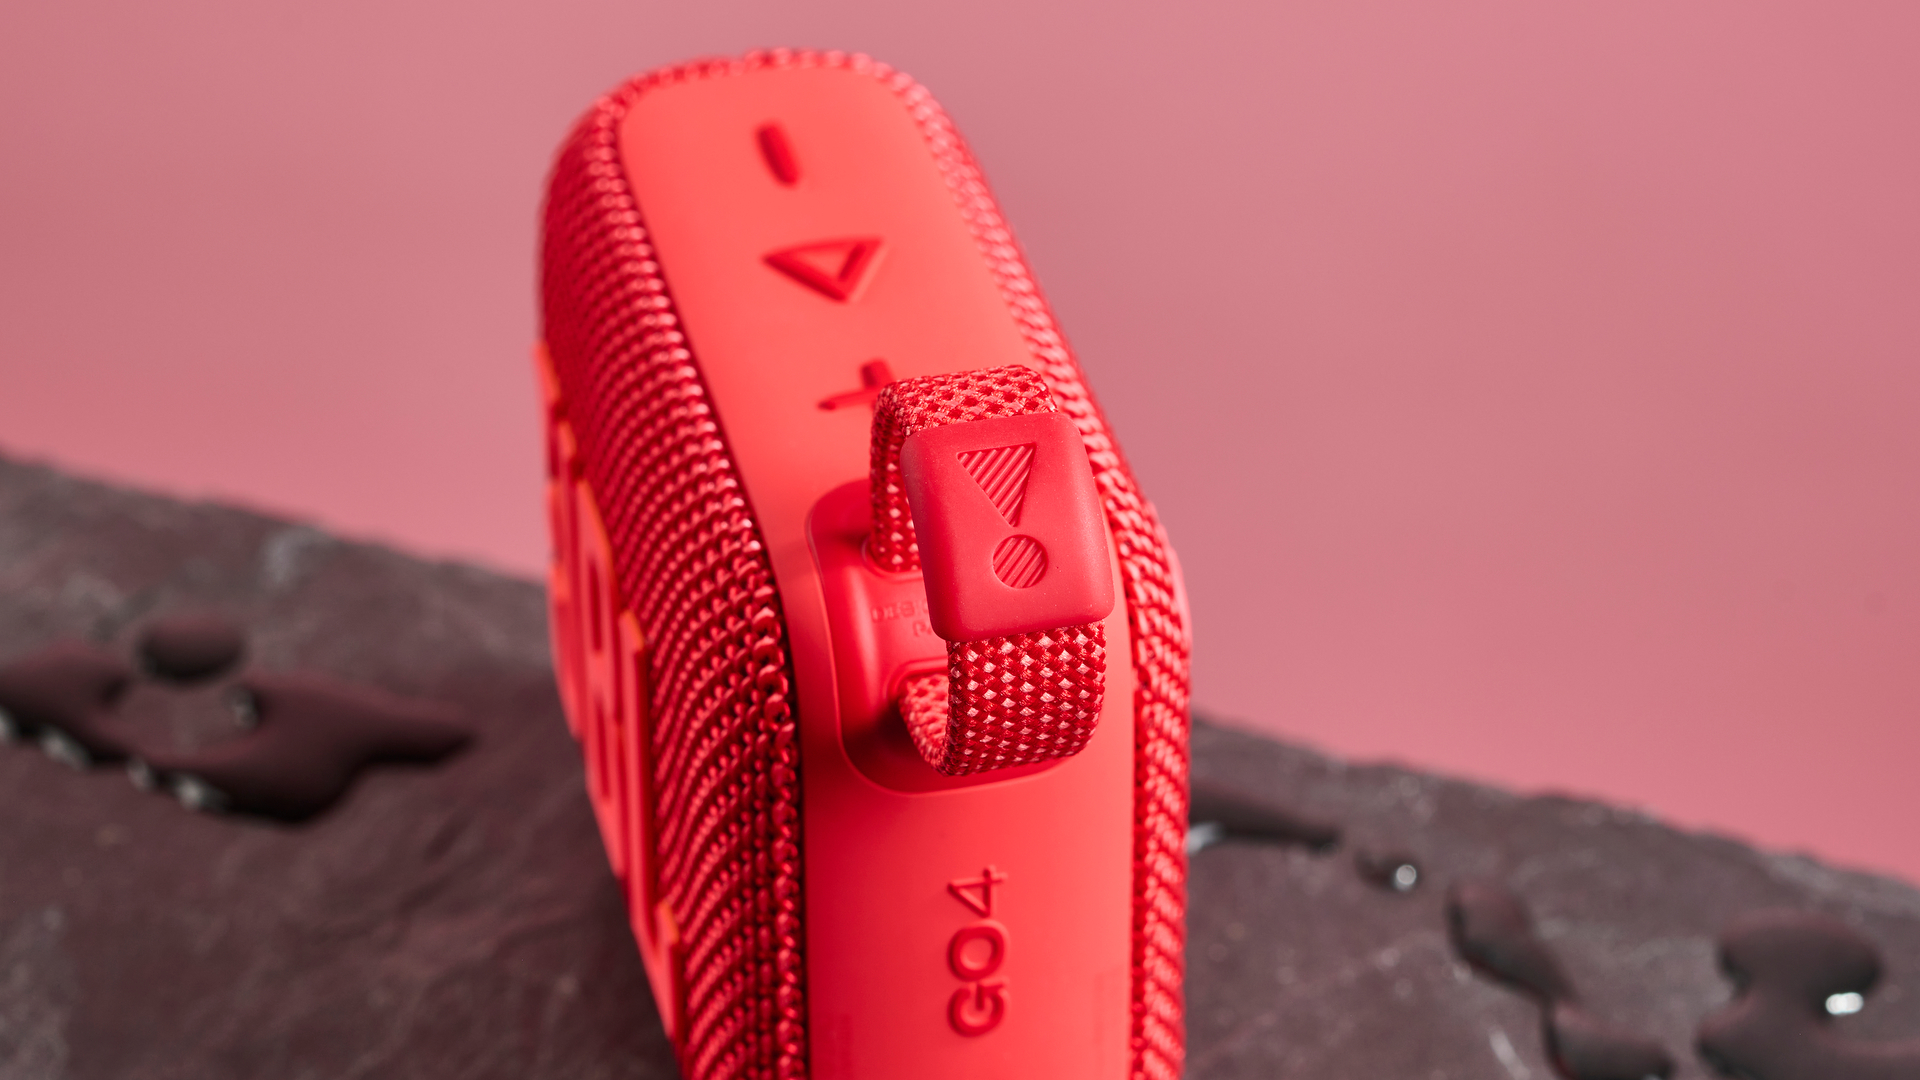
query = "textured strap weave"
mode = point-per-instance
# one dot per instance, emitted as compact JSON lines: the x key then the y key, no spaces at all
{"x":1004,"y":701}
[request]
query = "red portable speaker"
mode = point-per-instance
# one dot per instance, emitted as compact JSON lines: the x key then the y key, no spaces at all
{"x":876,"y":653}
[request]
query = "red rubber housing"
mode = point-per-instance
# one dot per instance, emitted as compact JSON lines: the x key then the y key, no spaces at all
{"x":729,"y":250}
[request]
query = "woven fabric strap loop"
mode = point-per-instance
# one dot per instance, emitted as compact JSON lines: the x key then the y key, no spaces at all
{"x":1018,"y":699}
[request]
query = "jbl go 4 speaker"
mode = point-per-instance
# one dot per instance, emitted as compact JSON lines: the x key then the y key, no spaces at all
{"x":876,"y":653}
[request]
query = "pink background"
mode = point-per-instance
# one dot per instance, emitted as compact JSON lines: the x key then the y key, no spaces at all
{"x":1531,"y":389}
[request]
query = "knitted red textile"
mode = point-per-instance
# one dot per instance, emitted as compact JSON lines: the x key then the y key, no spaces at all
{"x":1023,"y":699}
{"x":694,"y":571}
{"x":1014,"y":700}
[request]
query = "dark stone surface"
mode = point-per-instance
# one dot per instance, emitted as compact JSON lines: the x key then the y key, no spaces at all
{"x":1789,"y":965}
{"x":459,"y":921}
{"x":1492,"y":930}
{"x":1300,"y":968}
{"x":190,"y":647}
{"x":303,"y":744}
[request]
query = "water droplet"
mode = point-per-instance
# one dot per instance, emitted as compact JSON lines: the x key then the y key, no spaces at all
{"x":245,"y":707}
{"x":63,"y":749}
{"x":196,"y":794}
{"x":1204,"y":835}
{"x":1389,"y":869}
{"x":1845,"y":1004}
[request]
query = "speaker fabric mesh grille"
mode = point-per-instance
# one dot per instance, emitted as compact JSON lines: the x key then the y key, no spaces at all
{"x":694,"y":571}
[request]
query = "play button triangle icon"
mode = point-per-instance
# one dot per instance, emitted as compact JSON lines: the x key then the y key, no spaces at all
{"x":833,"y":268}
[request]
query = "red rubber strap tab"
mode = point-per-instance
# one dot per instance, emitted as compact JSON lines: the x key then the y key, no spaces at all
{"x":1010,"y":531}
{"x":1016,"y":565}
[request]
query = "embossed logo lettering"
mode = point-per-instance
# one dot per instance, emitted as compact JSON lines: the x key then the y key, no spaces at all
{"x":977,"y":951}
{"x":979,"y":1009}
{"x":977,"y":892}
{"x":974,"y":954}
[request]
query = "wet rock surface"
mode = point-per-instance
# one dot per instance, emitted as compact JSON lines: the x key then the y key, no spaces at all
{"x":1795,"y":971}
{"x":1300,"y":967}
{"x":191,"y":647}
{"x":447,"y":921}
{"x":460,"y":920}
